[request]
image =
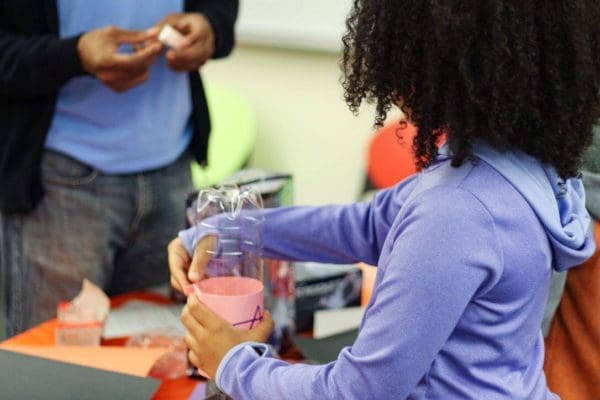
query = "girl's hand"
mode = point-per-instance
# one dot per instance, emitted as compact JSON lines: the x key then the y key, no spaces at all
{"x":209,"y":337}
{"x":184,"y":269}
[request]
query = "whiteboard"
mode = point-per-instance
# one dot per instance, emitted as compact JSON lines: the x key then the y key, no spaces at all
{"x":300,"y":24}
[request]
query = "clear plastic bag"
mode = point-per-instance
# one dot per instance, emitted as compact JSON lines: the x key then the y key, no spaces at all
{"x":171,"y":365}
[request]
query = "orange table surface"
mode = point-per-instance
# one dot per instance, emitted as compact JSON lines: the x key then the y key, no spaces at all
{"x":43,"y":335}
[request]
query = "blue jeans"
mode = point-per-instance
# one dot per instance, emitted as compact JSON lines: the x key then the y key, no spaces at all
{"x":110,"y":229}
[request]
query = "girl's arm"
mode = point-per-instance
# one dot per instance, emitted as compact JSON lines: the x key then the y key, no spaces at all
{"x":442,"y":258}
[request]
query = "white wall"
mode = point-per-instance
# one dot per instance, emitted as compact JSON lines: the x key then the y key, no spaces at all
{"x":306,"y":24}
{"x":304,"y":126}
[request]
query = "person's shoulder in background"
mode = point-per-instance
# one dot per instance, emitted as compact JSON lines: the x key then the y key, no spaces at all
{"x":591,"y":175}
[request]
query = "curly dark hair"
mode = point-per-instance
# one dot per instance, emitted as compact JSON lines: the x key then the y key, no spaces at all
{"x":518,"y":73}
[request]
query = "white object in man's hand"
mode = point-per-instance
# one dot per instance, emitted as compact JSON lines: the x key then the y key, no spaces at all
{"x":171,"y":37}
{"x":199,"y":43}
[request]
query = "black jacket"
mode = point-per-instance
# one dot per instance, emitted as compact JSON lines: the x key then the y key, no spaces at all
{"x":35,"y":63}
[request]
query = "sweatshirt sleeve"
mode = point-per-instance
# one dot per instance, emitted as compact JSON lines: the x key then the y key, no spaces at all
{"x":32,"y":66}
{"x":444,"y":254}
{"x":222,"y":15}
{"x":328,"y":234}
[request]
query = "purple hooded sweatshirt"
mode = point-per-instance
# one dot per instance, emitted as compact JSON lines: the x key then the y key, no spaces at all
{"x":464,"y":259}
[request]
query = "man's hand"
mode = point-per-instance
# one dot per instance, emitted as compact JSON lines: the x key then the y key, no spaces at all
{"x":98,"y":50}
{"x":200,"y":39}
{"x":209,"y":337}
{"x":185,"y":269}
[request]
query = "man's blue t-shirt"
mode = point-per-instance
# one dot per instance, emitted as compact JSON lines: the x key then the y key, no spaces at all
{"x":143,"y":128}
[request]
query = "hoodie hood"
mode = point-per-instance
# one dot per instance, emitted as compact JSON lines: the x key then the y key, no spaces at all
{"x":558,"y":204}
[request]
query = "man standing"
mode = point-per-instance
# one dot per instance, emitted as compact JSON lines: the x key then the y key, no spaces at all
{"x":98,"y":125}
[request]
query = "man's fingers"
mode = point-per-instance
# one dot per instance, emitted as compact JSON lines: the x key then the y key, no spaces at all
{"x":184,"y":55}
{"x":140,"y":59}
{"x":187,"y":62}
{"x":136,"y":81}
{"x":154,"y":31}
{"x":133,"y":37}
{"x":171,"y":19}
{"x":190,"y":34}
{"x":119,"y":81}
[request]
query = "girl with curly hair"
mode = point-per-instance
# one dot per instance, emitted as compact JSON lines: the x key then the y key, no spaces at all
{"x":465,"y":249}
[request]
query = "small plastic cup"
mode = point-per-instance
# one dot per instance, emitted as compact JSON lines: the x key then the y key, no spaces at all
{"x":236,"y":299}
{"x":77,"y":327}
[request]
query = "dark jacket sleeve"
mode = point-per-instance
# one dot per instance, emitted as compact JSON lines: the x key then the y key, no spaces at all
{"x":33,"y":66}
{"x":222,"y":15}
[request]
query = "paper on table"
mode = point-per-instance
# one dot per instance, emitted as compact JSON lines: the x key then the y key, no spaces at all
{"x":331,"y":322}
{"x":125,"y":360}
{"x":29,"y":377}
{"x":136,"y":317}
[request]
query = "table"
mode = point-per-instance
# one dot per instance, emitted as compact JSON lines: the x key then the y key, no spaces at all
{"x":44,"y":335}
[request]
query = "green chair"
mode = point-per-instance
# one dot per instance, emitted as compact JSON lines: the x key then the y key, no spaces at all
{"x":231,"y":140}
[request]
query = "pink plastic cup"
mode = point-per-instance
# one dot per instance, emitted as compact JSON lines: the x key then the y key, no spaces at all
{"x":238,"y":300}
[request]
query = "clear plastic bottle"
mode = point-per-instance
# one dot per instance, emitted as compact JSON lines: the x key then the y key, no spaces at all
{"x":229,"y":222}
